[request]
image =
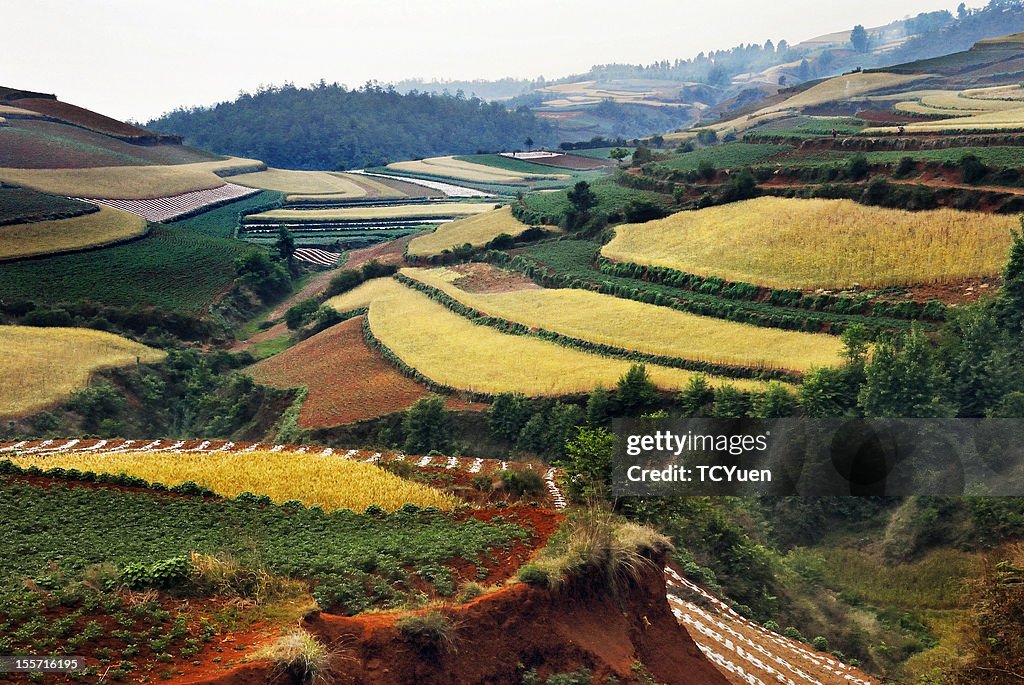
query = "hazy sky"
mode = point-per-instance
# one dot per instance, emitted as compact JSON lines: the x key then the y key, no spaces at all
{"x":138,"y":59}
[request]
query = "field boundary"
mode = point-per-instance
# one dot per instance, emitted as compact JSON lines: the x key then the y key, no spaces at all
{"x":77,"y":250}
{"x":515,"y":328}
{"x":787,"y":297}
{"x":741,"y":311}
{"x":406,"y":370}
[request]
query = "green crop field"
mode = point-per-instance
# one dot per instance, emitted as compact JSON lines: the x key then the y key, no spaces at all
{"x":727,"y":156}
{"x":221,"y":222}
{"x":997,"y":156}
{"x":105,"y":227}
{"x":21,"y":205}
{"x":357,"y":561}
{"x":807,"y":126}
{"x":173,"y":268}
{"x":611,"y":197}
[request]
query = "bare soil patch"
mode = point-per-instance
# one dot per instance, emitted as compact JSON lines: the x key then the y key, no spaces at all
{"x":486,"y":278}
{"x":347,"y":381}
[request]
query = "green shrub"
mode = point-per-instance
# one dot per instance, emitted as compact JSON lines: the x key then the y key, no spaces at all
{"x":430,"y":631}
{"x":525,"y":482}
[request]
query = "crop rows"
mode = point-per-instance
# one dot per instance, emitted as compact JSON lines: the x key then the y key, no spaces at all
{"x":542,"y":327}
{"x":444,"y":348}
{"x":718,"y":625}
{"x":317,"y":256}
{"x":120,"y":446}
{"x":448,"y":189}
{"x":174,"y":206}
{"x":565,"y":264}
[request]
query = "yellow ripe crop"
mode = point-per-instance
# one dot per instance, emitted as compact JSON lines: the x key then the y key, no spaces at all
{"x":413,"y":211}
{"x":42,"y":237}
{"x":363,"y":295}
{"x":40,"y":366}
{"x":128,"y":182}
{"x":308,"y":182}
{"x":476,"y":230}
{"x":329,"y":482}
{"x":788,"y":243}
{"x":449,"y":167}
{"x":451,"y":350}
{"x":645,"y":327}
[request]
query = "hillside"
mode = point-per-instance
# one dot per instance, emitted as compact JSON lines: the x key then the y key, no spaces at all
{"x":329,"y":127}
{"x":266,"y":423}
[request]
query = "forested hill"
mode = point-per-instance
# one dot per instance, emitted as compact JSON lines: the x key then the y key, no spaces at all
{"x":330,"y":127}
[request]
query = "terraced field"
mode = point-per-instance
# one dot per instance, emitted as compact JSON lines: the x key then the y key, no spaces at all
{"x":37,"y":144}
{"x":642,"y":327}
{"x":306,"y":186}
{"x":173,"y":267}
{"x":21,"y":205}
{"x":792,"y":243}
{"x":128,"y":182}
{"x":452,"y":351}
{"x":476,"y":230}
{"x":345,"y":379}
{"x":45,"y":237}
{"x":41,"y":366}
{"x":1011,"y":119}
{"x":460,"y":170}
{"x":426,"y":210}
{"x":309,"y":478}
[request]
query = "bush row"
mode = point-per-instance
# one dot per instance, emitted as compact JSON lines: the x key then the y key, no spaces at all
{"x":782,"y":297}
{"x":515,"y":328}
{"x":742,"y":311}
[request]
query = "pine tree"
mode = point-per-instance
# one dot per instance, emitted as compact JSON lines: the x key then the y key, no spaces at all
{"x":635,"y":391}
{"x":426,"y":426}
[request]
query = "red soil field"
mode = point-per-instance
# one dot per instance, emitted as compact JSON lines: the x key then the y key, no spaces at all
{"x":82,"y":117}
{"x":35,"y":144}
{"x":347,"y":381}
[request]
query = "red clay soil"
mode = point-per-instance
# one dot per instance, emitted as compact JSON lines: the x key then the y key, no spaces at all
{"x":347,"y":380}
{"x":82,"y":117}
{"x":391,"y":252}
{"x":479,"y":277}
{"x":499,"y":636}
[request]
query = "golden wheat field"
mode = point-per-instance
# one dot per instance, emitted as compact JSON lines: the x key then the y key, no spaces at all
{"x":329,"y":482}
{"x":362,"y":295}
{"x":43,"y":237}
{"x":644,"y":327}
{"x":449,"y":349}
{"x":844,"y":87}
{"x":40,"y":366}
{"x":1005,"y":120}
{"x":411,"y":211}
{"x":449,"y":167}
{"x":128,"y":182}
{"x":308,"y":182}
{"x":788,"y":243}
{"x":476,"y":230}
